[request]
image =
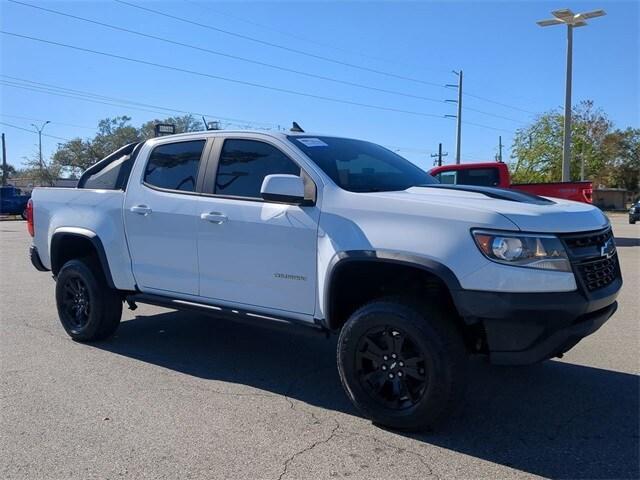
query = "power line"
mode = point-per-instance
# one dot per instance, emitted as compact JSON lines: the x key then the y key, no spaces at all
{"x":282,"y":47}
{"x":335,"y":47}
{"x":256,"y":62}
{"x":219,"y":77}
{"x":506,"y":105}
{"x":33,"y":131}
{"x":240,"y":82}
{"x":43,"y":120}
{"x":122,"y":103}
{"x":295,"y":36}
{"x":228,"y":55}
{"x":312,"y":55}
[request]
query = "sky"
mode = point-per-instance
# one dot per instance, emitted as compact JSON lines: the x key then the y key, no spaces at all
{"x":513,"y":69}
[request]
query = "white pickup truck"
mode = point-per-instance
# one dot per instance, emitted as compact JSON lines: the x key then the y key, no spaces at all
{"x":337,"y":235}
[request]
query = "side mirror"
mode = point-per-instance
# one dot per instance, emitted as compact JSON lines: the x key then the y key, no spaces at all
{"x":283,"y":188}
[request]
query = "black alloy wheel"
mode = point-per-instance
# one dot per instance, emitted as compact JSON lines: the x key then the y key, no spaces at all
{"x":402,"y":363}
{"x":88,"y":308}
{"x":76,"y":302}
{"x":391,"y":367}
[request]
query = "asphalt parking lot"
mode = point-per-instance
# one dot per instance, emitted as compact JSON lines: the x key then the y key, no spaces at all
{"x":177,"y":395}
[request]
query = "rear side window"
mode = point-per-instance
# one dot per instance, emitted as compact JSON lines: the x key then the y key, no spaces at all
{"x":174,"y":166}
{"x":447,"y":178}
{"x":244,"y":164}
{"x":486,"y":177}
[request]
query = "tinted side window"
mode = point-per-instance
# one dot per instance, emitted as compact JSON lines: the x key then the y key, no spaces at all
{"x":244,"y":164}
{"x":447,"y":178}
{"x":175,"y":165}
{"x":486,"y":177}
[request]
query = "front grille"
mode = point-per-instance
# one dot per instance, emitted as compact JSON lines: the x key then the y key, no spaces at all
{"x":595,"y":268}
{"x":599,"y":273}
{"x":586,"y":245}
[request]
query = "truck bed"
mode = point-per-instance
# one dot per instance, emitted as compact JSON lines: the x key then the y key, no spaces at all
{"x":577,"y":191}
{"x":92,"y":212}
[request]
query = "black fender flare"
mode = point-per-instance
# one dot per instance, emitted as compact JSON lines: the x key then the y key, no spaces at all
{"x":59,"y":238}
{"x":434,"y":267}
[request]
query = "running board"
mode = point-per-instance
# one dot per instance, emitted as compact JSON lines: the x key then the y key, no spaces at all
{"x":235,"y":314}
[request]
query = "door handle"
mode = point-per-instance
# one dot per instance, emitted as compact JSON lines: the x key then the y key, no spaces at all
{"x":141,"y":210}
{"x":214,"y":217}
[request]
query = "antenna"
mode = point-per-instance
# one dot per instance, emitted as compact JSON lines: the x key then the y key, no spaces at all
{"x":297,"y":128}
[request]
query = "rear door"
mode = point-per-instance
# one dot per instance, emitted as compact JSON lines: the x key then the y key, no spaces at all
{"x":161,"y":219}
{"x":253,"y":252}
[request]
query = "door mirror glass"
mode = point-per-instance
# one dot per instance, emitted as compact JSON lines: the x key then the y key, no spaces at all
{"x":283,"y":188}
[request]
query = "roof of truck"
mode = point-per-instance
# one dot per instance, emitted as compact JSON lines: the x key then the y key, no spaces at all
{"x":270,"y":133}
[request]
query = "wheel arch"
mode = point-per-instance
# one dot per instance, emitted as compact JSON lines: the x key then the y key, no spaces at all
{"x":371,"y":258}
{"x":67,"y":244}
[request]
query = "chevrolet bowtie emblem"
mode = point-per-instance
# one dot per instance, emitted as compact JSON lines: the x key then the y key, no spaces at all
{"x":608,"y":249}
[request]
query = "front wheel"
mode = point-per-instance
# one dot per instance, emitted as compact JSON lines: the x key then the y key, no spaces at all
{"x":401,"y":364}
{"x":88,"y":309}
{"x":632,"y":220}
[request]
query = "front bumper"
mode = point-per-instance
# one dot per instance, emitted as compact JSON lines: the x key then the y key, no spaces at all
{"x":526,"y":328}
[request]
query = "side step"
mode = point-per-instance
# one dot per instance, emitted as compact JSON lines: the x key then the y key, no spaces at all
{"x":235,"y":314}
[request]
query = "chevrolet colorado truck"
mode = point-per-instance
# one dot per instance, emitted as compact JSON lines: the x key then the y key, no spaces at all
{"x":336,"y":235}
{"x":496,"y":174}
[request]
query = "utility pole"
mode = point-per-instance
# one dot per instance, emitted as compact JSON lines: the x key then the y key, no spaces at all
{"x":459,"y":115}
{"x":439,"y":155}
{"x":499,"y":159}
{"x":39,"y":130}
{"x":4,"y":162}
{"x":571,"y":20}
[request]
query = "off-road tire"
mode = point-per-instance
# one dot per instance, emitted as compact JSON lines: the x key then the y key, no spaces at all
{"x":430,"y":330}
{"x":84,"y":278}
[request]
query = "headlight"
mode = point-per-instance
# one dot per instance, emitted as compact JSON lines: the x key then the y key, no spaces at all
{"x":545,"y":252}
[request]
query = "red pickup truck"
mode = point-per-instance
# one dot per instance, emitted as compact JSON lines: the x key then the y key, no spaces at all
{"x":496,"y":174}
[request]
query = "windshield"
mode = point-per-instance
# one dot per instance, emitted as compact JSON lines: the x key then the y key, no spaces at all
{"x":359,"y":166}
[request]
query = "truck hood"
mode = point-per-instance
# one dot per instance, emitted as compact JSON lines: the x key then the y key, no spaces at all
{"x":529,"y":213}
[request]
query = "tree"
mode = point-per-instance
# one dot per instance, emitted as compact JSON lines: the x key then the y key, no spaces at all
{"x":114,"y":133}
{"x":40,"y":174}
{"x":10,"y":170}
{"x":537,"y":149}
{"x":75,"y":156}
{"x":184,"y":123}
{"x":622,"y":149}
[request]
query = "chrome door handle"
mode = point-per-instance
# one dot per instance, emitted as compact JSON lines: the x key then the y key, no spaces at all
{"x":141,"y":210}
{"x":214,"y":217}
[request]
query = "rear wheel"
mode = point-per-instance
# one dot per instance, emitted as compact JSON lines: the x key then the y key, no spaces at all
{"x":402,"y":365}
{"x":88,"y":309}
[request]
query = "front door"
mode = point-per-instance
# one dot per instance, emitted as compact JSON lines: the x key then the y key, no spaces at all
{"x":161,"y":219}
{"x":253,"y":252}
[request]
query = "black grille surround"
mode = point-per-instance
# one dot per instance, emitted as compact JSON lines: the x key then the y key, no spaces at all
{"x":594,"y":265}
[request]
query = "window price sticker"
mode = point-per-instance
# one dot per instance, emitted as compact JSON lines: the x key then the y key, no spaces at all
{"x":312,"y":142}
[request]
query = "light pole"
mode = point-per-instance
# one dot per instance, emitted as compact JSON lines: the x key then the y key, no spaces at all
{"x":39,"y":130}
{"x":571,"y":20}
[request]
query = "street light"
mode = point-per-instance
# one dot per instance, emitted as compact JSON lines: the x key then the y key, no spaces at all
{"x":39,"y":130}
{"x":571,"y":20}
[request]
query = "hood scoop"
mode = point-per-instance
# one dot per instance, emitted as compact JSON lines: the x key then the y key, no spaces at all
{"x":497,"y":193}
